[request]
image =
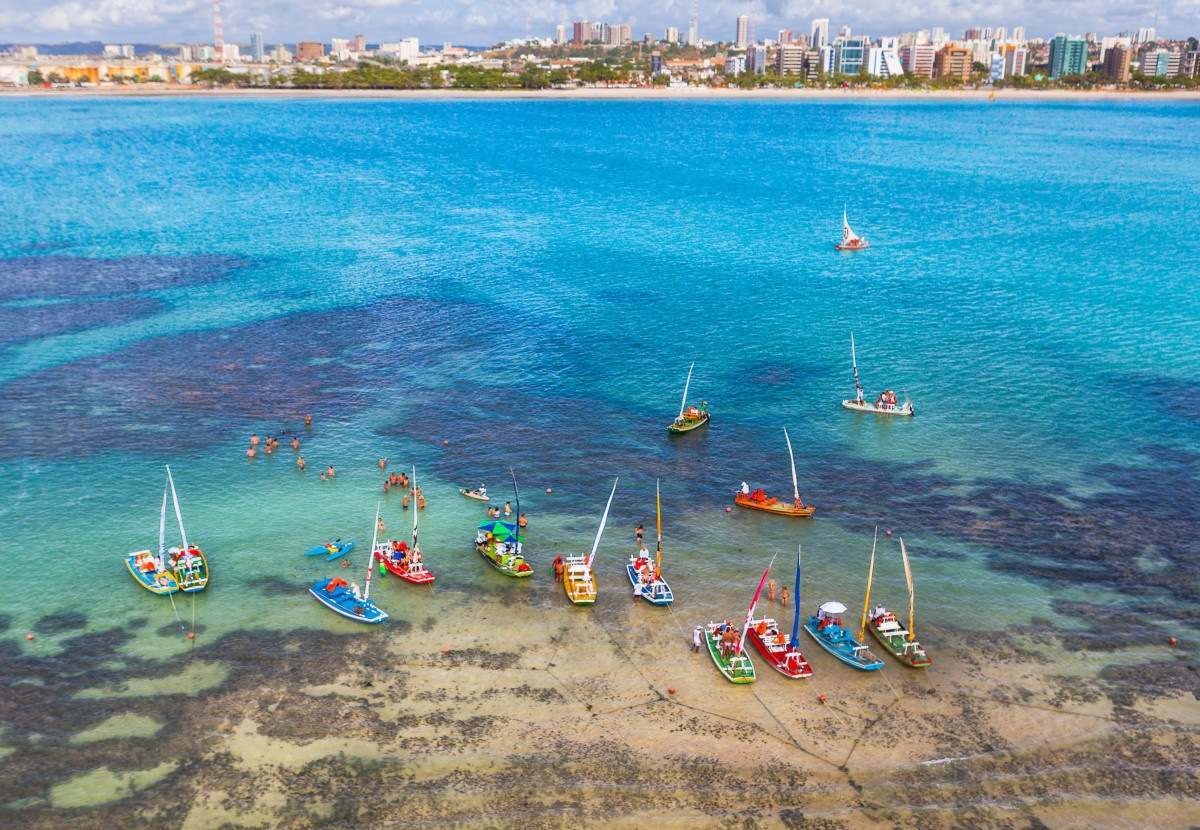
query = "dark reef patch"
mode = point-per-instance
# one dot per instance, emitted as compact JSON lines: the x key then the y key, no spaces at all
{"x":21,"y":323}
{"x":58,"y":623}
{"x":58,"y":275}
{"x":188,"y":388}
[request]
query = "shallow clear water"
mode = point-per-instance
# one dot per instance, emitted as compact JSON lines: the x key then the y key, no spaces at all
{"x":528,"y":281}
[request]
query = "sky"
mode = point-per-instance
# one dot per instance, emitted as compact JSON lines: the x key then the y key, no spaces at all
{"x":482,"y":22}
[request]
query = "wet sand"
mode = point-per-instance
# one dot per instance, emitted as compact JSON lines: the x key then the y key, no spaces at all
{"x":503,"y":712}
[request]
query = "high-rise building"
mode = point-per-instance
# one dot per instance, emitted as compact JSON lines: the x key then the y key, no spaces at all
{"x":756,"y":59}
{"x":624,"y":34}
{"x":1116,"y":63}
{"x":844,"y":32}
{"x":1014,"y":61}
{"x":1068,"y":56}
{"x":819,"y":36}
{"x":1162,"y":63}
{"x":693,"y":32}
{"x":735,"y":65}
{"x":937,"y":36}
{"x":671,"y":35}
{"x":884,"y":62}
{"x":581,"y":32}
{"x":850,"y":54}
{"x":996,"y":68}
{"x":974,"y":33}
{"x":999,"y":34}
{"x":1018,"y":34}
{"x":655,"y":63}
{"x":560,"y":34}
{"x":784,"y":36}
{"x":256,"y":46}
{"x":1190,"y":66}
{"x":1146,"y":34}
{"x":952,"y":61}
{"x":918,"y":59}
{"x":339,"y":48}
{"x":280,"y":54}
{"x":309,"y":50}
{"x":360,"y":43}
{"x":789,"y":59}
{"x":230,"y":52}
{"x":742,"y":37}
{"x":402,"y":50}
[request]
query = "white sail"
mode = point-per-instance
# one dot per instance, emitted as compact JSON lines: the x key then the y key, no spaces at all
{"x":683,"y":403}
{"x":371,"y":555}
{"x":414,"y":507}
{"x":178,"y":514}
{"x":792,"y":458}
{"x":912,"y":602}
{"x":753,"y":605}
{"x":858,"y":389}
{"x":603,"y":521}
{"x":848,"y":234}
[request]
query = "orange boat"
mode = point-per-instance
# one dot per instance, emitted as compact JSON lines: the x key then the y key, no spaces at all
{"x":759,"y":500}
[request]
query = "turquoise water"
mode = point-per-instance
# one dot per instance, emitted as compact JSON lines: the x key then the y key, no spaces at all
{"x":529,"y":281}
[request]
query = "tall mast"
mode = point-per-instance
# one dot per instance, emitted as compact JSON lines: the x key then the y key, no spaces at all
{"x":658,"y":522}
{"x":178,"y":515}
{"x":792,"y":458}
{"x":371,"y":555}
{"x":795,"y":641}
{"x":862,"y":628}
{"x":753,"y":603}
{"x":162,"y":528}
{"x":517,"y":499}
{"x":603,"y":521}
{"x":912,"y":633}
{"x":683,"y":403}
{"x":414,"y":501}
{"x":854,"y":362}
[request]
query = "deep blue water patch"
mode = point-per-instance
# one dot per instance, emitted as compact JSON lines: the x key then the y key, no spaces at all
{"x":58,"y":275}
{"x":20,"y":323}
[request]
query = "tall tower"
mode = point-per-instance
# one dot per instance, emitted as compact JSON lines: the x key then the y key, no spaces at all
{"x":218,"y":35}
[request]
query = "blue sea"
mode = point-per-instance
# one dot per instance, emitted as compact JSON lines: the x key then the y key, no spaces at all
{"x":466,"y":287}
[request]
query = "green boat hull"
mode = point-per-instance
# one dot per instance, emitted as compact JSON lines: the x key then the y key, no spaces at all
{"x":894,"y":644}
{"x":743,"y":672}
{"x":489,"y":556}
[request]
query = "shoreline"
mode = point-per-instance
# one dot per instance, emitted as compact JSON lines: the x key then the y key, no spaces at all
{"x":619,"y":94}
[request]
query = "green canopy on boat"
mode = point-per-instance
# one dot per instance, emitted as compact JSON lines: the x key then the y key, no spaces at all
{"x":502,"y":531}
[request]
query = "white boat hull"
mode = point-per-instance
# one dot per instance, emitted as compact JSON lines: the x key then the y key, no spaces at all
{"x":904,"y":410}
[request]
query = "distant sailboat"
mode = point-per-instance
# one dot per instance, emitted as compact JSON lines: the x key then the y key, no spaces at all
{"x":886,"y":404}
{"x":850,"y":240}
{"x":689,"y":417}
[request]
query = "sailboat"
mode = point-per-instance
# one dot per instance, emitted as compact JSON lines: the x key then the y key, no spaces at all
{"x":759,"y":500}
{"x":499,"y":543}
{"x":150,"y":571}
{"x":827,"y":629}
{"x":782,"y":653}
{"x":689,"y":417}
{"x":648,"y":583}
{"x":850,"y":240}
{"x":578,"y":577}
{"x":345,"y":599}
{"x":899,"y":640}
{"x":395,"y":556}
{"x":885,"y":404}
{"x":727,"y":649}
{"x":191,"y":566}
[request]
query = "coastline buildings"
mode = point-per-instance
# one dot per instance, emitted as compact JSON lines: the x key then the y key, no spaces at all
{"x":1116,"y":63}
{"x":1068,"y":56}
{"x":917,"y":59}
{"x":310,"y":50}
{"x":952,"y":61}
{"x":742,"y":37}
{"x":819,"y":36}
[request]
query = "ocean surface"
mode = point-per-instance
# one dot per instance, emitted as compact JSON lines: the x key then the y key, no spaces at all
{"x":469,"y":286}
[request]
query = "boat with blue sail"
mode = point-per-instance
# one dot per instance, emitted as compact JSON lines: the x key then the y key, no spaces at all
{"x":648,"y":582}
{"x":781,"y":652}
{"x":345,"y":598}
{"x":831,"y":634}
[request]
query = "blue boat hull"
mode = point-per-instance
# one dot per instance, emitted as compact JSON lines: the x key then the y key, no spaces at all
{"x":342,"y":551}
{"x":662,"y":596}
{"x":345,"y":604}
{"x":843,"y":649}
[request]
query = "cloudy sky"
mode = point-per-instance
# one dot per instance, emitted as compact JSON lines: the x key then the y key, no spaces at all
{"x":478,"y":22}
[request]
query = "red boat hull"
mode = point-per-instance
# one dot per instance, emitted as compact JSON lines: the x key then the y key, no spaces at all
{"x":423,"y":578}
{"x":789,"y":663}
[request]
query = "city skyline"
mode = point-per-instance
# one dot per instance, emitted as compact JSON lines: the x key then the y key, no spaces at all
{"x":467,"y":21}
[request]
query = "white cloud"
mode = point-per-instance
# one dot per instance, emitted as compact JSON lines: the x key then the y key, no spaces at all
{"x":480,"y":22}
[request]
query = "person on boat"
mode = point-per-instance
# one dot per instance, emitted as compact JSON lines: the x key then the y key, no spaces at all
{"x":745,"y":490}
{"x":703,"y":407}
{"x":482,"y":492}
{"x":354,"y":589}
{"x":300,"y":463}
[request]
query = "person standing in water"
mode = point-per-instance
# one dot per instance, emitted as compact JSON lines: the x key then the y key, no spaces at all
{"x":300,"y":463}
{"x":329,"y":472}
{"x":641,"y":532}
{"x":772,"y":587}
{"x":784,"y":595}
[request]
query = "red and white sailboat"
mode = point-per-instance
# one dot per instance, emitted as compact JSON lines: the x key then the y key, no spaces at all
{"x":850,"y":240}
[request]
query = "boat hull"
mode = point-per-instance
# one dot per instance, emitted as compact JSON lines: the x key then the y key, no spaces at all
{"x":776,"y":507}
{"x":342,"y":550}
{"x":159,"y":583}
{"x":687,"y":425}
{"x":894,"y":644}
{"x":787,"y":661}
{"x":657,"y":592}
{"x":861,"y":246}
{"x":422,"y":577}
{"x":196,"y":579}
{"x":902,"y":411}
{"x":344,"y":604}
{"x":511,"y":568}
{"x":841,"y":650}
{"x":737,"y":668}
{"x":471,"y":494}
{"x":580,"y":589}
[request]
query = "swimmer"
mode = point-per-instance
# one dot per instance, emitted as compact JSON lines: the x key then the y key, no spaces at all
{"x":295,"y":443}
{"x":329,"y":471}
{"x":523,"y":521}
{"x":308,"y":420}
{"x":784,"y":596}
{"x":772,"y":587}
{"x":382,"y":528}
{"x":250,"y":453}
{"x":382,"y":463}
{"x":508,"y":508}
{"x":300,"y":463}
{"x":254,"y":439}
